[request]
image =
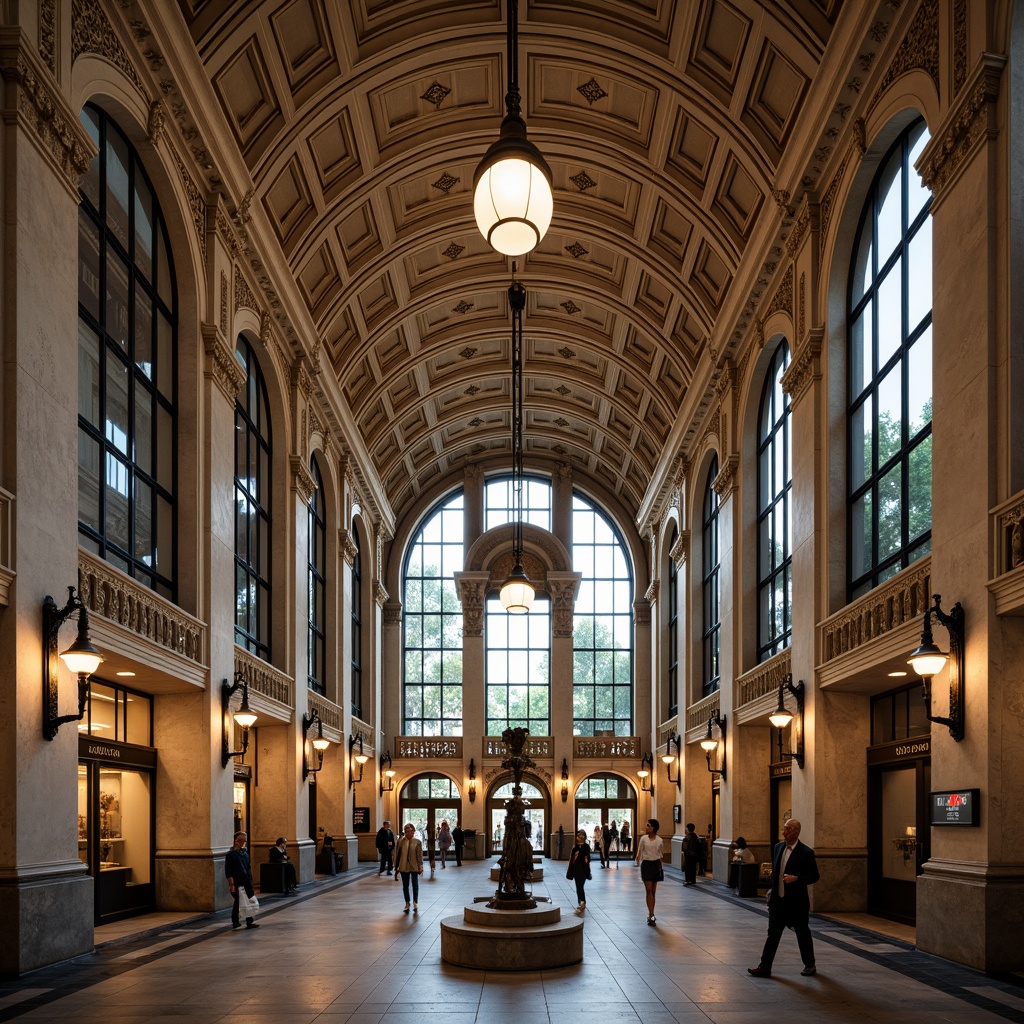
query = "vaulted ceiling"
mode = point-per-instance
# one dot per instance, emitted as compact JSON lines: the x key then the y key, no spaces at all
{"x":361,"y":122}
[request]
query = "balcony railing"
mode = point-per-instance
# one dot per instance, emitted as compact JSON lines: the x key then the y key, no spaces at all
{"x":110,"y":594}
{"x":606,"y":748}
{"x":429,"y":747}
{"x":764,"y":679}
{"x":697,"y":714}
{"x":535,"y":746}
{"x":265,"y":681}
{"x":329,"y":712}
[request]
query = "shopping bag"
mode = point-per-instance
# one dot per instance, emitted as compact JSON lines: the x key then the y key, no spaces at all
{"x":248,"y":906}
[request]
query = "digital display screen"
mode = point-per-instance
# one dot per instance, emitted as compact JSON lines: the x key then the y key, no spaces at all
{"x":955,"y":807}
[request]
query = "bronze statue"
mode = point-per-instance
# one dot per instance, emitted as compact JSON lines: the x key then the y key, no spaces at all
{"x":516,"y":862}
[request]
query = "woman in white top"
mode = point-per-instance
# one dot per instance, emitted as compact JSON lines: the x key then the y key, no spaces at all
{"x":649,"y":850}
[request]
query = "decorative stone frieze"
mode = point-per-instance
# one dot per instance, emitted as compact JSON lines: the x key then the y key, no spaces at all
{"x":680,"y":551}
{"x":782,"y":300}
{"x":43,"y":111}
{"x":221,"y":365}
{"x":919,"y":50}
{"x":196,"y":202}
{"x":725,"y":483}
{"x":48,"y":34}
{"x":155,"y":122}
{"x":303,"y":483}
{"x":244,"y":298}
{"x":91,"y":32}
{"x":804,"y":368}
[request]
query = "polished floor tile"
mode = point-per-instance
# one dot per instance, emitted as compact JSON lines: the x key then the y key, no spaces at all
{"x":342,"y":952}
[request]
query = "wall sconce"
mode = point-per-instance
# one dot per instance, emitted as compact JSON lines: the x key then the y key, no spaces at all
{"x":928,"y":660}
{"x":81,"y":658}
{"x":782,"y":716}
{"x":387,"y":773}
{"x":565,"y":780}
{"x":672,"y":759}
{"x":646,"y":767}
{"x":319,"y":744}
{"x":356,"y":761}
{"x":244,"y":717}
{"x":472,"y":781}
{"x":709,"y":743}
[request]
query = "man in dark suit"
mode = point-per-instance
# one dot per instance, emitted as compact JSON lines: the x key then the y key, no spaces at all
{"x":385,"y":847}
{"x":793,"y":870}
{"x":279,"y":855}
{"x":459,"y":841}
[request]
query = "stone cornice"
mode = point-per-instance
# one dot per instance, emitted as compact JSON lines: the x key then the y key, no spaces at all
{"x":969,"y":121}
{"x":30,"y":96}
{"x":725,"y":483}
{"x":804,"y":369}
{"x":302,"y":480}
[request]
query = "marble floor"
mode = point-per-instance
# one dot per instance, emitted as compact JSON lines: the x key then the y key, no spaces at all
{"x":342,"y":952}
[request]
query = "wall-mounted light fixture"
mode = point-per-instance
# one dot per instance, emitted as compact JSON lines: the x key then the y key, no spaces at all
{"x":356,"y":761}
{"x":512,"y":198}
{"x":928,"y":660}
{"x":709,"y":743}
{"x":669,"y":759}
{"x":81,"y":658}
{"x":319,"y":744}
{"x":472,"y":781}
{"x":387,"y":773}
{"x":565,"y":780}
{"x":244,"y":717}
{"x":644,"y":772}
{"x":782,"y":716}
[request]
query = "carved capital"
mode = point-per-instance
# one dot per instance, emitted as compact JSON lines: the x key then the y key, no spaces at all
{"x":392,"y":613}
{"x":725,"y":483}
{"x":472,"y":588}
{"x":805,"y":367}
{"x":303,"y":483}
{"x":221,"y":365}
{"x":563,"y":587}
{"x":642,"y":609}
{"x":680,"y":551}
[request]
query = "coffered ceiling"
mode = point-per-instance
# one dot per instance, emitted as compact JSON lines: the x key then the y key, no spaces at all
{"x":360,"y":123}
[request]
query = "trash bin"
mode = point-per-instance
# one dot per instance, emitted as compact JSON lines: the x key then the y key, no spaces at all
{"x":748,"y":875}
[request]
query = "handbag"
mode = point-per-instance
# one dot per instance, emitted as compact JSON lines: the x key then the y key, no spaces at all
{"x":248,"y":906}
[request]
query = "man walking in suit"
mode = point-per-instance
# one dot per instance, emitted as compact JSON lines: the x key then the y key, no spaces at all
{"x":385,"y":847}
{"x":794,"y":868}
{"x":459,"y":841}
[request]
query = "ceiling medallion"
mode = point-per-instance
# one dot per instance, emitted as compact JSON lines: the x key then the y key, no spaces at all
{"x":567,"y":353}
{"x":463,"y":307}
{"x":436,"y":94}
{"x":475,"y":421}
{"x":561,"y":422}
{"x":468,"y":353}
{"x":576,"y":250}
{"x":591,"y":91}
{"x":446,"y":183}
{"x":471,"y":390}
{"x":453,"y":250}
{"x":563,"y":390}
{"x":570,"y":307}
{"x":583,"y":181}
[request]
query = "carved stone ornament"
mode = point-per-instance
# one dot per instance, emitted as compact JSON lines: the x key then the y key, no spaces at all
{"x":651,"y":594}
{"x":221,"y":365}
{"x":157,"y":120}
{"x":472,"y":591}
{"x":804,"y":369}
{"x":244,"y":298}
{"x":302,"y":480}
{"x":725,"y":483}
{"x":563,"y":587}
{"x":642,"y":608}
{"x":680,"y":551}
{"x":50,"y":124}
{"x":392,"y":613}
{"x":91,"y":32}
{"x":919,"y":50}
{"x":782,"y":300}
{"x":196,"y":202}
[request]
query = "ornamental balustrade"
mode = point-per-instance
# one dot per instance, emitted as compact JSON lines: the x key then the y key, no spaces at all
{"x":697,"y":714}
{"x":763,"y":679}
{"x":429,"y":747}
{"x":263,"y":679}
{"x":606,"y":748}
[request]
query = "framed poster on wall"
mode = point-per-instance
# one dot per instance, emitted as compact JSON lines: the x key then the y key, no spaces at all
{"x":360,"y":819}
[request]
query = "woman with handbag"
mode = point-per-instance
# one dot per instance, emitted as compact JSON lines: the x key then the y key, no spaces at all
{"x":649,"y":851}
{"x":579,"y":867}
{"x":444,"y":840}
{"x":409,"y":865}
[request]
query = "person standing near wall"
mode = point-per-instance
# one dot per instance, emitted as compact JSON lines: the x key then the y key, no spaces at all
{"x":239,"y":875}
{"x":691,"y":853}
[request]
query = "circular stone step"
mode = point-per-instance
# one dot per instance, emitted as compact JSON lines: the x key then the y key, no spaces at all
{"x":511,"y":949}
{"x":536,"y":875}
{"x":498,"y":917}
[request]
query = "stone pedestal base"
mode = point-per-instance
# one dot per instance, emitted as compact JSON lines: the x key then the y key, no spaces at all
{"x":46,"y":920}
{"x":536,"y":875}
{"x":971,"y":914}
{"x":499,"y":939}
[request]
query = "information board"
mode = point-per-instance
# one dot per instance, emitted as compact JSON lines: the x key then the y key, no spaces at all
{"x":955,"y":807}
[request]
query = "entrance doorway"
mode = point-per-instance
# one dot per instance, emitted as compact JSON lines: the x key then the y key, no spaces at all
{"x":603,"y":799}
{"x":426,"y":801}
{"x":538,"y":813}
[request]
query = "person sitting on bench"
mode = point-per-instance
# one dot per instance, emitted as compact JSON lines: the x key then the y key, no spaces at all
{"x":279,"y":855}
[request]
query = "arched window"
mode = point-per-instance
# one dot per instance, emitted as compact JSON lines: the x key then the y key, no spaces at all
{"x":672,"y":624}
{"x":127,"y":366}
{"x":518,"y":652}
{"x":890,"y":373}
{"x":317,"y":582}
{"x":252,"y":508}
{"x":602,"y":673}
{"x":710,"y":585}
{"x":356,"y":668}
{"x":774,"y":512}
{"x":432,"y":626}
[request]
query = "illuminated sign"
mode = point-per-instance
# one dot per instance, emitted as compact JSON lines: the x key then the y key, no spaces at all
{"x":955,"y":807}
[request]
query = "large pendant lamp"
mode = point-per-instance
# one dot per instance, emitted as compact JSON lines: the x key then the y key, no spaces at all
{"x":512,"y":186}
{"x":517,"y":591}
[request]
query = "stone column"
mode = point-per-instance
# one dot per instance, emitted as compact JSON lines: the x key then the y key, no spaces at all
{"x":46,"y":897}
{"x":472,"y":592}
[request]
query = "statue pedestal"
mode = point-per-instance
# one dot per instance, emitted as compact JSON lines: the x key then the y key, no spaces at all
{"x":499,"y":938}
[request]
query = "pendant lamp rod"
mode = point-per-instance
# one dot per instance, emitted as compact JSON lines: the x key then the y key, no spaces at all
{"x":517,"y":300}
{"x":513,"y":98}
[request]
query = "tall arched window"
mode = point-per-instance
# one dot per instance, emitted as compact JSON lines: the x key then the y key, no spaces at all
{"x":672,"y":624}
{"x":890,"y":373}
{"x":127,"y":365}
{"x":602,"y":671}
{"x":317,"y":582}
{"x":432,"y":626}
{"x":252,"y":508}
{"x":774,"y":512}
{"x":710,"y":585}
{"x":356,"y":668}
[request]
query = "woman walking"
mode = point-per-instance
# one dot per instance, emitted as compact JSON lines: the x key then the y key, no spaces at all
{"x":649,"y":850}
{"x":444,"y":840}
{"x":409,"y":865}
{"x":579,"y":867}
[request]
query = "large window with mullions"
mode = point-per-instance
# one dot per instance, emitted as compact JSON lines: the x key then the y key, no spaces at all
{"x":127,"y":390}
{"x":252,"y":507}
{"x":774,"y":512}
{"x":711,"y":639}
{"x":889,"y":371}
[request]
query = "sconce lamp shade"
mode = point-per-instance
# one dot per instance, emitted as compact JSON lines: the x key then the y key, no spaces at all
{"x":81,"y":657}
{"x":517,"y":592}
{"x":319,"y":743}
{"x":781,"y":716}
{"x":245,"y":718}
{"x":361,"y":758}
{"x":512,"y":198}
{"x":709,"y":743}
{"x":643,"y":773}
{"x":928,"y":660}
{"x":668,"y":758}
